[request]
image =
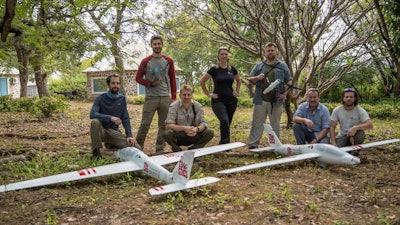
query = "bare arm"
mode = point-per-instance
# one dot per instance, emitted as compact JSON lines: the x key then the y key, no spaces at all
{"x":332,"y":132}
{"x":203,"y":81}
{"x":366,"y":125}
{"x":238,"y":83}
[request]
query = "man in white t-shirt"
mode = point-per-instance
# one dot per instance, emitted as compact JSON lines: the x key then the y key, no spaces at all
{"x":353,"y":120}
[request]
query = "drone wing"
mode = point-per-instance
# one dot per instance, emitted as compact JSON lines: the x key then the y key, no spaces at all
{"x":368,"y":145}
{"x":182,"y":186}
{"x":293,"y":158}
{"x":176,"y":156}
{"x":115,"y":168}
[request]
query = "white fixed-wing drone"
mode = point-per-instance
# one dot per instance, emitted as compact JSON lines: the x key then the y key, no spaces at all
{"x":135,"y":160}
{"x":323,"y":153}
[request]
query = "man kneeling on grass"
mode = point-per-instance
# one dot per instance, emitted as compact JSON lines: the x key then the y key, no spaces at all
{"x":185,"y":123}
{"x":107,"y":113}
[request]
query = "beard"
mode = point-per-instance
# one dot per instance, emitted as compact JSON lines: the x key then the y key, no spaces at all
{"x":114,"y":90}
{"x":348,"y":104}
{"x":271,"y":57}
{"x":157,"y":50}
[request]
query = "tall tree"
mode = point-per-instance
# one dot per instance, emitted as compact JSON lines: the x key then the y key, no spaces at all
{"x":44,"y":30}
{"x":388,"y":18}
{"x":309,"y":34}
{"x":118,"y":23}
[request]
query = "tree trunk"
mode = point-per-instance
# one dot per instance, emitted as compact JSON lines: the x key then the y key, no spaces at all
{"x":41,"y":81}
{"x":23,"y":59}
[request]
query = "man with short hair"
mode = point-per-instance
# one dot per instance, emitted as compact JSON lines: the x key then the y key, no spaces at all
{"x":311,"y":120}
{"x":157,"y":73}
{"x":353,"y":120}
{"x":185,"y":123}
{"x":109,"y":110}
{"x":264,"y":74}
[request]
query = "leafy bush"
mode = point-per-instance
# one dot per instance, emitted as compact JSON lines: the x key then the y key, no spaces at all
{"x":6,"y":103}
{"x":245,"y":102}
{"x":377,"y":111}
{"x":136,"y":100}
{"x":382,"y":111}
{"x":68,"y":84}
{"x":202,"y":99}
{"x":49,"y":105}
{"x":25,"y":104}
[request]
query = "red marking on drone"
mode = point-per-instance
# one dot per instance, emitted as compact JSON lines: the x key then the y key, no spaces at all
{"x":289,"y":151}
{"x":271,"y":139}
{"x":146,"y":167}
{"x":182,"y":170}
{"x":86,"y":172}
{"x":171,"y":155}
{"x":159,"y":188}
{"x":357,"y":147}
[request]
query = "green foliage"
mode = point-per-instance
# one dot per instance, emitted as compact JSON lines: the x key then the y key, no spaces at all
{"x":50,"y":105}
{"x":136,"y":100}
{"x":245,"y":102}
{"x":70,"y":83}
{"x":382,"y":111}
{"x":24,"y":104}
{"x":202,"y":99}
{"x":5,"y":103}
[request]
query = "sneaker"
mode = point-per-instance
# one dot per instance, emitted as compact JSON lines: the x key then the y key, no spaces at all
{"x":96,"y":154}
{"x":252,"y":147}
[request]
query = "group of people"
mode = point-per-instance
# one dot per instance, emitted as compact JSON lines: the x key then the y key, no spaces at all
{"x":314,"y":124}
{"x":181,"y":122}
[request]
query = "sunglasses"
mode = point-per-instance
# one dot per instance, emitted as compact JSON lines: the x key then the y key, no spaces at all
{"x":349,"y":90}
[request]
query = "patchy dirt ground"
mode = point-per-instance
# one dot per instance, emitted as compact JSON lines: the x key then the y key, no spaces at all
{"x":296,"y":193}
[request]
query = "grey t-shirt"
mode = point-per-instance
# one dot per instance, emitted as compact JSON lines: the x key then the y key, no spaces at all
{"x":348,"y":118}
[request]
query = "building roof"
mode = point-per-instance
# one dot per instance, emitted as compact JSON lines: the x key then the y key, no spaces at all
{"x":8,"y":71}
{"x":134,"y":53}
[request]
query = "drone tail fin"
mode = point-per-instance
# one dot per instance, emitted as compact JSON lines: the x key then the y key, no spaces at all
{"x":181,"y":175}
{"x":273,"y":139}
{"x":183,"y":168}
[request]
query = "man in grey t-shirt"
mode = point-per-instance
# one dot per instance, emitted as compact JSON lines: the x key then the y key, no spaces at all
{"x":157,"y":74}
{"x":353,"y":120}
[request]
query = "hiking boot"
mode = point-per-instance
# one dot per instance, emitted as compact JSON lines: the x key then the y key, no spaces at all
{"x":96,"y":154}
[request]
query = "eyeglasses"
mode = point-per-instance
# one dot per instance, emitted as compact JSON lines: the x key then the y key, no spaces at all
{"x":349,"y":90}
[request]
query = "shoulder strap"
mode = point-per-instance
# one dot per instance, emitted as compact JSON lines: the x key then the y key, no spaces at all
{"x":194,"y":111}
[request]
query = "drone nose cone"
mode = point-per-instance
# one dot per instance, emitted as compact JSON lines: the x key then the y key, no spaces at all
{"x":355,"y":160}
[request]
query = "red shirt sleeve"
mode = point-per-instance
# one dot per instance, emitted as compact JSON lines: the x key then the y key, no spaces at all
{"x":172,"y":77}
{"x":142,"y":72}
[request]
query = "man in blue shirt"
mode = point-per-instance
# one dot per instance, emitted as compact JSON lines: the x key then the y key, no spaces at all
{"x":312,"y":120}
{"x":109,"y":110}
{"x":270,"y":104}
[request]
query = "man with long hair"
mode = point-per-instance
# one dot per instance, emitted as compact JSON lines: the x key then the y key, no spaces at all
{"x":353,"y":120}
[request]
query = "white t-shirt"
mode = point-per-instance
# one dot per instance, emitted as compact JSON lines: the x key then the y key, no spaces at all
{"x":348,"y":118}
